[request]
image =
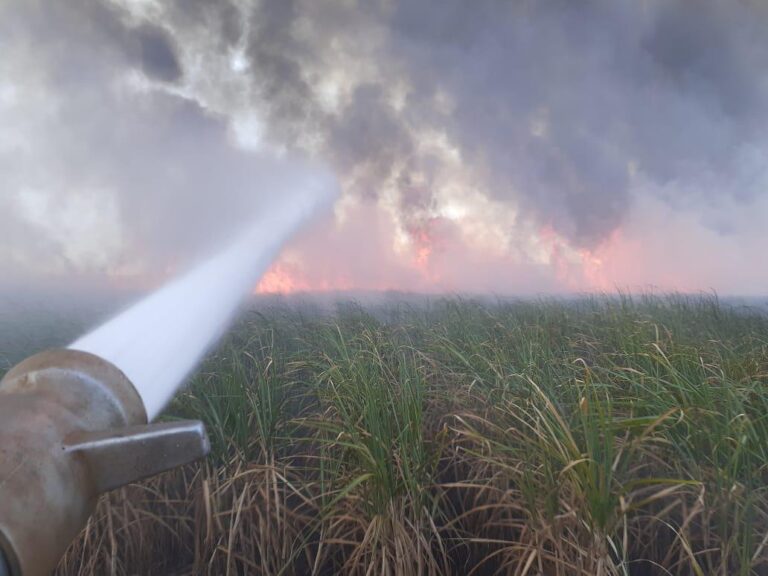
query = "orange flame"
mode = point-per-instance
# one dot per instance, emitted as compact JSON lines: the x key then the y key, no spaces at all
{"x":426,"y":240}
{"x":424,"y":249}
{"x":282,"y":278}
{"x":289,"y":278}
{"x":593,"y":271}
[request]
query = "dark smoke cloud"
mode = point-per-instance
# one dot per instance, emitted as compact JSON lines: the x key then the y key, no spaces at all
{"x":98,"y":175}
{"x":158,"y":57}
{"x":662,"y":90}
{"x":568,"y":114}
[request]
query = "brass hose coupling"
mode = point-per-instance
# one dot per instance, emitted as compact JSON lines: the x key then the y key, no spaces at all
{"x":72,"y":427}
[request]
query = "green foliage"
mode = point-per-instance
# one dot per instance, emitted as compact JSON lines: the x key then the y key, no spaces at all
{"x":622,"y":435}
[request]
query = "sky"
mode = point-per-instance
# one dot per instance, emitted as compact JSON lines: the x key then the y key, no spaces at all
{"x":484,"y":146}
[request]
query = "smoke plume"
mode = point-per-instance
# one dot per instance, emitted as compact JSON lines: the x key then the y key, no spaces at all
{"x":485,"y":141}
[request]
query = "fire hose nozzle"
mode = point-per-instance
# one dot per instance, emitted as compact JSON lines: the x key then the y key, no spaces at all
{"x":72,"y":426}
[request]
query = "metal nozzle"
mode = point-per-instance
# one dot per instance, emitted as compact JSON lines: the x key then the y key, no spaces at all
{"x":71,"y":427}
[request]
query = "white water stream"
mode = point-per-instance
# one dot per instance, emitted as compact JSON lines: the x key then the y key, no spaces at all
{"x":159,"y":341}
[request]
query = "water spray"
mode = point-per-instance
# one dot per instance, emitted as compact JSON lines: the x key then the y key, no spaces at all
{"x":75,"y":423}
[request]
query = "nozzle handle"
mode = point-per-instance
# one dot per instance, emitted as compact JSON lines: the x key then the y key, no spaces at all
{"x":123,"y":455}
